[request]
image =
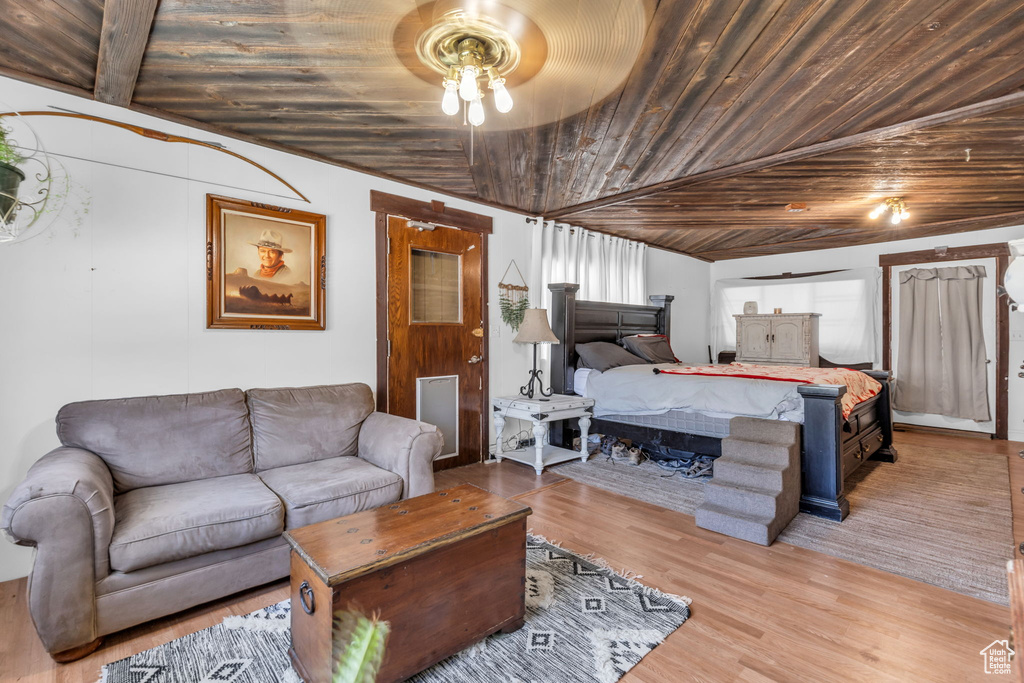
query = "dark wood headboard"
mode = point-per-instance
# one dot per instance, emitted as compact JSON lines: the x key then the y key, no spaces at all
{"x":578,"y":322}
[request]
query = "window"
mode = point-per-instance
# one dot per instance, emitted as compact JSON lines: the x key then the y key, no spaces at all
{"x":436,"y":280}
{"x":847,"y":300}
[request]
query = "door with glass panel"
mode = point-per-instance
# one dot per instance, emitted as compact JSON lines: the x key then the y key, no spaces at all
{"x":435,"y":334}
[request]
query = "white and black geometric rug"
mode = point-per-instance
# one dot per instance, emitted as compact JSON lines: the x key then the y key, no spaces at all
{"x":584,"y":622}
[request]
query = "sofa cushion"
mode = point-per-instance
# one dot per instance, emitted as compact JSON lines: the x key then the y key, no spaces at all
{"x":156,"y":440}
{"x":315,"y":491}
{"x":306,"y":424}
{"x":166,"y":523}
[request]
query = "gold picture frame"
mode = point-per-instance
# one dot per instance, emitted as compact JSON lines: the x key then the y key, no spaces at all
{"x":266,"y":267}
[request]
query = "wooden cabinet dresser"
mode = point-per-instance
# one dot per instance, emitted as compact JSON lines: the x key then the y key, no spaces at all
{"x":778,"y":338}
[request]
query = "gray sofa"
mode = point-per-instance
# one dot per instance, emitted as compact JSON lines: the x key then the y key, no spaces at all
{"x":153,"y":505}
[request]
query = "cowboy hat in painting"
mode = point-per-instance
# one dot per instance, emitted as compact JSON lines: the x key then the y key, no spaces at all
{"x":271,"y":240}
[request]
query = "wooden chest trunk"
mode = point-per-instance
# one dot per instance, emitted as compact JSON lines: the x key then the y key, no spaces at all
{"x":445,"y":570}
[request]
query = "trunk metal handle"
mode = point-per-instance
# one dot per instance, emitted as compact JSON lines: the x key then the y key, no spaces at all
{"x":304,"y":592}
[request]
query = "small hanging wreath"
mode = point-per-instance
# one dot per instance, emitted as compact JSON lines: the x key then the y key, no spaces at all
{"x":513,"y":299}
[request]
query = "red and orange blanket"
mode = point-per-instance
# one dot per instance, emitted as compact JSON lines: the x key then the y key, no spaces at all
{"x":859,"y":387}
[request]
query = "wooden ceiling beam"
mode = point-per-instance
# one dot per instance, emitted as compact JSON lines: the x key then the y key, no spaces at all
{"x":867,"y":137}
{"x":123,"y":39}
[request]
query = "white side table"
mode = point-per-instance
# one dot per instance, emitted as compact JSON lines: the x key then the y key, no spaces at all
{"x":541,"y":411}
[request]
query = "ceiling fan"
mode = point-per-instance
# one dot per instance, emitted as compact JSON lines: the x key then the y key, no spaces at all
{"x":551,"y":58}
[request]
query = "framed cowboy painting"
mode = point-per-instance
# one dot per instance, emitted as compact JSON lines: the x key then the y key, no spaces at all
{"x":265,"y":266}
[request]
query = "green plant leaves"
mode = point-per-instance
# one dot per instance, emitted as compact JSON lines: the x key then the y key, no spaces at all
{"x":512,"y":312}
{"x":358,"y":647}
{"x":8,"y":154}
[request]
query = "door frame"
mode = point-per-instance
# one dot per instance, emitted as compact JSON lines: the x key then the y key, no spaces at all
{"x":434,"y":211}
{"x":1000,"y":251}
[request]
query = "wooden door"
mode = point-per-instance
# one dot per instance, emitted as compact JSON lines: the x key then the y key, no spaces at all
{"x":753,"y":336}
{"x":435,"y":361}
{"x":788,"y":339}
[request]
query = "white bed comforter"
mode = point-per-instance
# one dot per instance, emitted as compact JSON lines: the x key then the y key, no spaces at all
{"x":637,"y":390}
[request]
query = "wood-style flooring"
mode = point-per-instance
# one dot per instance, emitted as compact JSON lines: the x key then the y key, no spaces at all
{"x":780,"y":613}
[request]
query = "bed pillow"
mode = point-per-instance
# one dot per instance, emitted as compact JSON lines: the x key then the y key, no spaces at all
{"x":603,"y":356}
{"x":654,"y":348}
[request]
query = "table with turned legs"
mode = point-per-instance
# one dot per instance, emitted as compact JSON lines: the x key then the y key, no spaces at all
{"x":541,"y":411}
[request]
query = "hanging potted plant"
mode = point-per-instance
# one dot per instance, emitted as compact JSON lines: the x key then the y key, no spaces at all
{"x":10,"y":178}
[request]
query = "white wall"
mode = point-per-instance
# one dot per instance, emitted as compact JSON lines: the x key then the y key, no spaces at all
{"x":867,"y":255}
{"x":689,"y":280}
{"x":111,"y":301}
{"x":115,"y":303}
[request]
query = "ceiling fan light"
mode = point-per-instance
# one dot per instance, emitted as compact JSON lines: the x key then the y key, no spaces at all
{"x":468,"y":89}
{"x":904,"y":214}
{"x":895,"y":220}
{"x":875,"y":213}
{"x":450,"y":101}
{"x":476,"y":111}
{"x":502,"y":98}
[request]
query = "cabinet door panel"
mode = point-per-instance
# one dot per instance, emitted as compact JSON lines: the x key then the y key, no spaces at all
{"x":755,"y":336}
{"x":787,"y":340}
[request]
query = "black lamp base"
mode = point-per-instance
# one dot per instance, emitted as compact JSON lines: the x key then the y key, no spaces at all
{"x":527,"y":390}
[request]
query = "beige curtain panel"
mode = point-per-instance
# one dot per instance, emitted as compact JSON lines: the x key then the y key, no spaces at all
{"x":942,"y":366}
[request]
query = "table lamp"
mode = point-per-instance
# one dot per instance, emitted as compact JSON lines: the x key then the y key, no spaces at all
{"x":535,"y":330}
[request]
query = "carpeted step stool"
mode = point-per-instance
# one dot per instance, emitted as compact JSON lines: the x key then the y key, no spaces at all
{"x":755,"y":492}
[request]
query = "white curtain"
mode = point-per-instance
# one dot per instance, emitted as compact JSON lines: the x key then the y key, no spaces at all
{"x":849,"y":303}
{"x":606,"y":268}
{"x":941,"y":364}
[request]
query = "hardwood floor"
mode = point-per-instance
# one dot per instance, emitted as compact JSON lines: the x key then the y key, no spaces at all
{"x":780,"y":613}
{"x":508,"y":479}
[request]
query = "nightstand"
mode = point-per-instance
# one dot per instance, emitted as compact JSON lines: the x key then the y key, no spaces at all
{"x":541,"y":411}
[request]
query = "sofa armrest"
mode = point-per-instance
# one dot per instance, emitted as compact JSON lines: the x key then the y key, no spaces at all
{"x":65,"y":508}
{"x":403,"y":446}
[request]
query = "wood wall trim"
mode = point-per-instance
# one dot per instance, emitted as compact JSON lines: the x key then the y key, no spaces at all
{"x":953,"y":115}
{"x":123,"y":40}
{"x":381,"y":251}
{"x":432,"y":212}
{"x":1002,"y":350}
{"x":907,"y":258}
{"x":1000,"y":251}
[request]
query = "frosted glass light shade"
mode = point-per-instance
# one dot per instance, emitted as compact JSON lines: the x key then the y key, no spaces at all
{"x":476,"y":111}
{"x":502,"y":100}
{"x":468,"y":88}
{"x":450,"y":101}
{"x":535,"y":329}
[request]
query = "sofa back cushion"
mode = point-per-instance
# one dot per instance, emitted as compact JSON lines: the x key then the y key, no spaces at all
{"x":156,"y":440}
{"x":296,"y":425}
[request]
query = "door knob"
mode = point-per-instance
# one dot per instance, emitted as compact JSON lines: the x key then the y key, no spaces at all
{"x":476,"y":359}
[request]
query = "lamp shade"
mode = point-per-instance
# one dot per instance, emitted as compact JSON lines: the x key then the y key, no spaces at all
{"x":1014,"y":278}
{"x":535,"y":329}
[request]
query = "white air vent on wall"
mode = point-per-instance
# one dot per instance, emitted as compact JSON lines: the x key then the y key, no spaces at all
{"x":437,"y":403}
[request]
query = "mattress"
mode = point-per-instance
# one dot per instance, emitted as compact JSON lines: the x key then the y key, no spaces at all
{"x":688,"y":421}
{"x":637,"y":391}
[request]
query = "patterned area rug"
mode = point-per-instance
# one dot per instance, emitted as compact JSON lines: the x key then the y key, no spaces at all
{"x":938,"y":516}
{"x":584,"y":622}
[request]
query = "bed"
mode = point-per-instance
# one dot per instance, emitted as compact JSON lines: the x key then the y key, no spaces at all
{"x":832,"y":446}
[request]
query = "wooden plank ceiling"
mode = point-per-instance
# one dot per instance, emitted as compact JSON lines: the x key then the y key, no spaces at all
{"x":731,"y":110}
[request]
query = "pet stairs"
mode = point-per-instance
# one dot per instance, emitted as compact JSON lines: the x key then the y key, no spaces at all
{"x":755,"y":492}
